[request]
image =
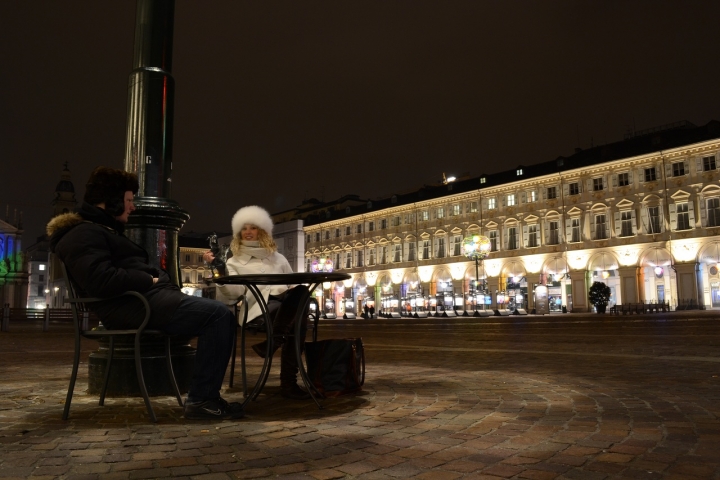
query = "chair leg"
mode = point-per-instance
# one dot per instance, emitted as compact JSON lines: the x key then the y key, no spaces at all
{"x":73,"y":378}
{"x":232,"y":361}
{"x":243,"y":367}
{"x":171,"y":372}
{"x":108,"y":365}
{"x":141,"y":378}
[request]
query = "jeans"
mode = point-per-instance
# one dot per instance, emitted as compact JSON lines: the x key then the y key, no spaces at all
{"x":215,"y":327}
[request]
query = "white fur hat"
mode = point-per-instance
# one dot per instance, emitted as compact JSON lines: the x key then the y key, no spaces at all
{"x":253,"y":215}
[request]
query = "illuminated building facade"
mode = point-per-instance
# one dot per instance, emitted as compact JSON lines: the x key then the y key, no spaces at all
{"x":641,"y":215}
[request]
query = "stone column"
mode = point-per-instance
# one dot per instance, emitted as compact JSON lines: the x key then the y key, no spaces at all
{"x":630,"y":288}
{"x":580,"y":280}
{"x":689,"y":284}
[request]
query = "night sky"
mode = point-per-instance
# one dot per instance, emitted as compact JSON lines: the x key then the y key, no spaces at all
{"x":277,"y":101}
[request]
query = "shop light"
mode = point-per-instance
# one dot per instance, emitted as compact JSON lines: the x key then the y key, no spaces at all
{"x":658,"y":271}
{"x":605,"y":274}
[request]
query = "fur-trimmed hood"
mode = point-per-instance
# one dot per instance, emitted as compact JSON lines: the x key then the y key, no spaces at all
{"x":253,"y":215}
{"x":63,"y":221}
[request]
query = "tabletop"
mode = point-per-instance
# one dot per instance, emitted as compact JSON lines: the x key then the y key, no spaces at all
{"x":281,"y":278}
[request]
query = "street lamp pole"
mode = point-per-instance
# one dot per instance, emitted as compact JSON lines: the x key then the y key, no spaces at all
{"x":476,"y":247}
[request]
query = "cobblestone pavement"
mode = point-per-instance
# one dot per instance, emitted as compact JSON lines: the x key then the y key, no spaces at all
{"x":553,"y":397}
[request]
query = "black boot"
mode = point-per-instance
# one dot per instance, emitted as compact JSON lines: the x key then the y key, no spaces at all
{"x":288,"y":374}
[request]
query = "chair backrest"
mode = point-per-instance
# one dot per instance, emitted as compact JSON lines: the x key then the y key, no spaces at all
{"x":73,"y":290}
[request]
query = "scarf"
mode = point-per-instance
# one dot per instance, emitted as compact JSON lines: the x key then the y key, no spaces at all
{"x":253,"y":249}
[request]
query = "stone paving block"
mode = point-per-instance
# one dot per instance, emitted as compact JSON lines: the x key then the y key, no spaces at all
{"x":504,"y":471}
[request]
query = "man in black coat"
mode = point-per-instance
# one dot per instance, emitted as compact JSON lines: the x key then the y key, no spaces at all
{"x":105,"y":263}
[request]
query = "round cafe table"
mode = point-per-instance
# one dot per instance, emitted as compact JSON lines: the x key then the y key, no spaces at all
{"x":252,"y":282}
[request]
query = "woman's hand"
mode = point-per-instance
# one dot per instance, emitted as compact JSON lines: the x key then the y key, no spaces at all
{"x":155,"y":280}
{"x":208,"y":257}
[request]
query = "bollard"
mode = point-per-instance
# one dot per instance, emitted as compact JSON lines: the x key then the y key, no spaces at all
{"x":6,"y":318}
{"x":85,"y":321}
{"x":46,"y":322}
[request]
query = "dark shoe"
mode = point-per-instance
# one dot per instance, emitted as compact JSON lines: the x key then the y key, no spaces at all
{"x":213,"y":409}
{"x":261,"y":348}
{"x":294,"y":392}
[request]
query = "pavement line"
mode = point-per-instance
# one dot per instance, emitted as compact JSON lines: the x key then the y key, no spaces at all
{"x":542,"y":352}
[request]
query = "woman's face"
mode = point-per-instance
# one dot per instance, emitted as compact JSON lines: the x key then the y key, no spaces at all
{"x":249,"y":232}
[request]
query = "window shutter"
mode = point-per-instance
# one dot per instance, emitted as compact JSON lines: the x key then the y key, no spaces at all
{"x":657,"y":173}
{"x":607,"y":227}
{"x":436,"y":246}
{"x":630,"y":179}
{"x":641,"y":175}
{"x":618,"y":224}
{"x":523,"y":197}
{"x":673,"y":216}
{"x":504,"y":197}
{"x":634,"y":222}
{"x":592,"y":227}
{"x":546,"y":231}
{"x":686,"y":167}
{"x":544,"y":193}
{"x":505,"y":238}
{"x":568,"y":229}
{"x":589,"y":184}
{"x":668,"y":170}
{"x":698,"y":164}
{"x":691,"y":213}
{"x":566,"y":190}
{"x":661,"y":218}
{"x":484,"y":204}
{"x":537,"y":236}
{"x":614,"y":180}
{"x":605,"y":182}
{"x":703,"y":212}
{"x":525,"y":236}
{"x":645,"y":219}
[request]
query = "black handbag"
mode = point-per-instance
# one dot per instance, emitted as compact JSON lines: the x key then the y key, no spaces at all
{"x":336,"y":366}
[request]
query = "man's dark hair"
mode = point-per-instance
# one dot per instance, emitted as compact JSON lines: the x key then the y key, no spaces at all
{"x":108,"y":185}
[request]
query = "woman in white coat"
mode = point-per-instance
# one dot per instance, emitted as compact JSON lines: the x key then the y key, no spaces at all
{"x":255,"y":252}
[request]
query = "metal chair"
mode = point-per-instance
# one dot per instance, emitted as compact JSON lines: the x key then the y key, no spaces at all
{"x":80,"y":305}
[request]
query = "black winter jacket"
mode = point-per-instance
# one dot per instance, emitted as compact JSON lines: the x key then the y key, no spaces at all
{"x":104,"y":263}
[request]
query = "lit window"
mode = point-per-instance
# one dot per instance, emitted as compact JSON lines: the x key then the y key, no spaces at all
{"x":511,"y":200}
{"x":483,"y":180}
{"x":491,"y":203}
{"x":42,"y":266}
{"x":519,"y":172}
{"x":532,"y":196}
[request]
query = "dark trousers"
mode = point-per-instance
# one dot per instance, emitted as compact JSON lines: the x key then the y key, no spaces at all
{"x":283,"y":309}
{"x":215,"y":327}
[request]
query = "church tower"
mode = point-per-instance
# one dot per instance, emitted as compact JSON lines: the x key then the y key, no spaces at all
{"x":64,"y":201}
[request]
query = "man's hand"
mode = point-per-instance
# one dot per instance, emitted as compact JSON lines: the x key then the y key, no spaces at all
{"x":208,"y":257}
{"x":155,"y":280}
